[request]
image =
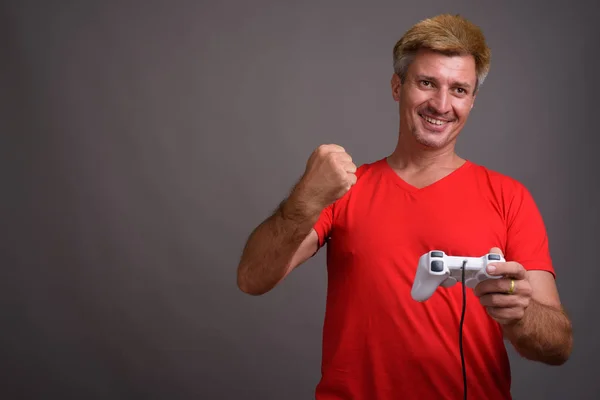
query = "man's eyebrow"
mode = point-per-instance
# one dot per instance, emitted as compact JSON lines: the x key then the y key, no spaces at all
{"x":426,"y":78}
{"x":454,"y":83}
{"x":461,"y":84}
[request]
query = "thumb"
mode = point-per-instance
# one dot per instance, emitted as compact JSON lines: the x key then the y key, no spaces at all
{"x":496,"y":250}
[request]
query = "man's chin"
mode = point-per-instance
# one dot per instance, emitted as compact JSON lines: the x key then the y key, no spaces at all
{"x":432,"y":140}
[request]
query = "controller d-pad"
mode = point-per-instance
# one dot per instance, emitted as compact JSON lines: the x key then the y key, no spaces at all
{"x":437,"y":254}
{"x":494,"y":257}
{"x":437,"y":266}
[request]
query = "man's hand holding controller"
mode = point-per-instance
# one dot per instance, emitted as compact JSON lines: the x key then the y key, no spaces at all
{"x":505,"y":299}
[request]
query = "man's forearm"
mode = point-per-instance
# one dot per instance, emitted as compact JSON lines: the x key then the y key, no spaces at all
{"x":544,"y":334}
{"x":272,"y":245}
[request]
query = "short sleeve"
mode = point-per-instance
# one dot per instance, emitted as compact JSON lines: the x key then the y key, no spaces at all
{"x":323,"y":224}
{"x":527,"y":239}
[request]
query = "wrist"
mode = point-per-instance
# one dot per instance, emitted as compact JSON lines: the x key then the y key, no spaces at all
{"x":300,"y":206}
{"x":519,"y":327}
{"x":303,"y":203}
{"x":515,"y":329}
{"x":543,"y":334}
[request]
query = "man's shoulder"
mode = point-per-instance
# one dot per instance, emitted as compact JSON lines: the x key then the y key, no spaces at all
{"x":497,"y":180}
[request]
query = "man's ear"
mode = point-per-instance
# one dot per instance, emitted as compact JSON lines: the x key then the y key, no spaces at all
{"x":396,"y":86}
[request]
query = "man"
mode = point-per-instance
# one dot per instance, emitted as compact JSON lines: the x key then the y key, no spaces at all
{"x":377,"y":220}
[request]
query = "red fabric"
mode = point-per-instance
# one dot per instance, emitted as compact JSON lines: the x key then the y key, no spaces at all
{"x":378,"y":343}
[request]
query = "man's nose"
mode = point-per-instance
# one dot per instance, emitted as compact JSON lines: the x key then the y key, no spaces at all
{"x":441,"y":102}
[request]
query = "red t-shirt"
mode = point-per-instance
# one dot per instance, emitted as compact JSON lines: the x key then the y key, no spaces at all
{"x":379,"y":343}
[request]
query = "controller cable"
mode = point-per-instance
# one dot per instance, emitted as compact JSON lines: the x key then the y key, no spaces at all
{"x":460,"y":337}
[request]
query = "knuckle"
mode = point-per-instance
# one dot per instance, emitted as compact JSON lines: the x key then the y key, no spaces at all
{"x":342,"y":157}
{"x":526,"y":290}
{"x":339,"y":172}
{"x":331,"y":147}
{"x":323,"y":149}
{"x":518,"y":302}
{"x":524,"y":303}
{"x":481,"y":288}
{"x":330,"y":158}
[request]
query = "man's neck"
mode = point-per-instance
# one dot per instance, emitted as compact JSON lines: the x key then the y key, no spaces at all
{"x":425,"y":167}
{"x":416,"y":158}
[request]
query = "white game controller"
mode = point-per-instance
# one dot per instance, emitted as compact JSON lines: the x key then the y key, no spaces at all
{"x":438,"y":269}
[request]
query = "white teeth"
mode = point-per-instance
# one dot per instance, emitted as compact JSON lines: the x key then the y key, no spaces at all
{"x":433,"y":121}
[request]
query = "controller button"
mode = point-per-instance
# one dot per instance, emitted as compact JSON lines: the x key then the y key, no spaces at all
{"x":437,"y":266}
{"x":494,"y":257}
{"x":437,"y":254}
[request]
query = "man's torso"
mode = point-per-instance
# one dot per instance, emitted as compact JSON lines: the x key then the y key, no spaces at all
{"x":378,"y":342}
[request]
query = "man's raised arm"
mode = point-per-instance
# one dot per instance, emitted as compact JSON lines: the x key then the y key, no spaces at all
{"x":287,"y":238}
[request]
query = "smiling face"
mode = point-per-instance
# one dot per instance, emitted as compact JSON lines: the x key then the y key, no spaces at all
{"x":436,"y":98}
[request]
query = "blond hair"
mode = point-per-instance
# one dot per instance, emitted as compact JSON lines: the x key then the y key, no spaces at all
{"x":446,"y":34}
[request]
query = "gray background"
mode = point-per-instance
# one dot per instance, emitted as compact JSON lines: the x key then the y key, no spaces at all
{"x":142,"y":141}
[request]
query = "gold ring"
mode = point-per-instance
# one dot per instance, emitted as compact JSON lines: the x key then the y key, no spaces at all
{"x":512,"y":287}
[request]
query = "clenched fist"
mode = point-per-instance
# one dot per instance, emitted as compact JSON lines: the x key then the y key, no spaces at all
{"x":329,"y":174}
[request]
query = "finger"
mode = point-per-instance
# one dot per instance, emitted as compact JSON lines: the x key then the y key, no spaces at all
{"x":500,"y":300}
{"x":327,"y":150}
{"x":496,"y":250}
{"x":335,"y":148}
{"x":505,"y":314}
{"x":350,"y":167}
{"x":493,"y":286}
{"x":508,"y":269}
{"x":492,"y":266}
{"x":351,"y":179}
{"x":343,"y":158}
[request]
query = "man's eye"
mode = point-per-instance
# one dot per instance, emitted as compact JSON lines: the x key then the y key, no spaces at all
{"x":425,"y":83}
